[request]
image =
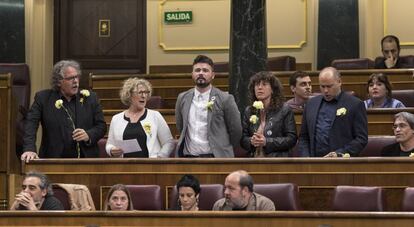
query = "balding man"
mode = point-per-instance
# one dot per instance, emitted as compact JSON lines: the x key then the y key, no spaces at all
{"x":239,"y":195}
{"x":390,"y":48}
{"x":333,"y":123}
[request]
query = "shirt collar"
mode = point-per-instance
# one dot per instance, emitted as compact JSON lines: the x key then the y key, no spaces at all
{"x":204,"y":95}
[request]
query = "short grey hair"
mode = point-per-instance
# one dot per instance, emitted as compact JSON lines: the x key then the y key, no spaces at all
{"x":409,"y":117}
{"x":59,"y":71}
{"x":44,"y":181}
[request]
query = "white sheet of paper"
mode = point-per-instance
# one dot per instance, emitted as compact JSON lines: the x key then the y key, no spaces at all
{"x":128,"y":146}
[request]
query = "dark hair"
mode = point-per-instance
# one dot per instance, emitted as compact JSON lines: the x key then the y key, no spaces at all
{"x":246,"y":181}
{"x":409,"y":117}
{"x":119,"y":187}
{"x":189,"y":181}
{"x":59,"y":71}
{"x":383,"y":78}
{"x":389,"y":39}
{"x":44,"y":181}
{"x":204,"y":59}
{"x":277,"y":98}
{"x":293,"y":78}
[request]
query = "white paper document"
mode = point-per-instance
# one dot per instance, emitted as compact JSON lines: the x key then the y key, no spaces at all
{"x":128,"y":146}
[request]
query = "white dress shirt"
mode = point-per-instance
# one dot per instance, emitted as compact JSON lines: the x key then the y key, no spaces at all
{"x":196,"y":140}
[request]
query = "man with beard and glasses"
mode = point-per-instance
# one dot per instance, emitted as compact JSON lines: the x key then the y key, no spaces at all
{"x":72,"y":120}
{"x":239,"y":195}
{"x":207,"y":118}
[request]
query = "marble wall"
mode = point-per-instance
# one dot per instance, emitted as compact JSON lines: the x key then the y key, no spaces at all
{"x":12,"y":37}
{"x":338,"y":31}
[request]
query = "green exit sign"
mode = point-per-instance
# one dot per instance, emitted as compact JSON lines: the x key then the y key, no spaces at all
{"x":178,"y":17}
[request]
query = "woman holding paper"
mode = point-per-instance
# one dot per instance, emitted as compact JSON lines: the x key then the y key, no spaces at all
{"x":138,"y":124}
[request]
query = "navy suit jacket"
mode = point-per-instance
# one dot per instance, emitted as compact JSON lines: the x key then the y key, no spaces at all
{"x":89,"y":117}
{"x":348,"y":133}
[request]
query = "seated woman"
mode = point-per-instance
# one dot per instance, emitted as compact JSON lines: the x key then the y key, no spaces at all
{"x":148,"y":127}
{"x":404,"y":136}
{"x":380,"y":93}
{"x":188,"y":189}
{"x":273,"y":134}
{"x":118,"y":198}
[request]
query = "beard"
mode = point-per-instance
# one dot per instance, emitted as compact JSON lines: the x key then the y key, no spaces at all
{"x":202,"y":83}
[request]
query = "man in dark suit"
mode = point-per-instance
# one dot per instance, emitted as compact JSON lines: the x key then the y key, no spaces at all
{"x":207,"y":118}
{"x":72,"y":120}
{"x":333,"y":123}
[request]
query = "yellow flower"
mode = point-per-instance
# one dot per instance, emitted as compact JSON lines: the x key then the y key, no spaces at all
{"x":258,"y":105}
{"x":411,"y":155}
{"x":346,"y":155}
{"x":85,"y":93}
{"x":147,"y":128}
{"x":253,"y":119}
{"x":210,"y":105}
{"x":59,"y":103}
{"x":341,"y":111}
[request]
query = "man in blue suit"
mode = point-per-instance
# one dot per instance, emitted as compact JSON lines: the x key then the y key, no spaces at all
{"x":333,"y":123}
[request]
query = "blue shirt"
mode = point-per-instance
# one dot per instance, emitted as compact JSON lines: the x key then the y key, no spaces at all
{"x":389,"y":103}
{"x":326,"y":116}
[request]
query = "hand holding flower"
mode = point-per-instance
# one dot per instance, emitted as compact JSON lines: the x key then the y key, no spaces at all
{"x":258,"y":140}
{"x":80,"y":135}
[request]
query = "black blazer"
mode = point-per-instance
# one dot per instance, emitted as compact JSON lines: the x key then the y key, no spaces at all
{"x":89,"y":117}
{"x":348,"y":133}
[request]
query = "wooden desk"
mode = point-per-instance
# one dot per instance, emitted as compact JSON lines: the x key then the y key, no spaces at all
{"x":8,"y":160}
{"x":208,"y":219}
{"x":380,"y":120}
{"x":316,"y":177}
{"x":169,"y":85}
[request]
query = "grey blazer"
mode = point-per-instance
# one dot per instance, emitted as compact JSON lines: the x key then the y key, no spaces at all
{"x":224,"y":124}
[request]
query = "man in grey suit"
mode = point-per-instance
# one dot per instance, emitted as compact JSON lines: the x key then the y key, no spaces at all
{"x":207,"y":118}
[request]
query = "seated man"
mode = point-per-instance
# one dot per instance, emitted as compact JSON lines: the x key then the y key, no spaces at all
{"x":301,"y":85}
{"x":36,"y":194}
{"x":239,"y":195}
{"x":404,"y":135}
{"x":390,"y":47}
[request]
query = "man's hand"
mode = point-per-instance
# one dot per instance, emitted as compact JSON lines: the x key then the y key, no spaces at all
{"x":26,"y":200}
{"x":331,"y":154}
{"x":29,"y":155}
{"x":116,"y":152}
{"x":80,"y":135}
{"x":390,"y":62}
{"x":258,"y":140}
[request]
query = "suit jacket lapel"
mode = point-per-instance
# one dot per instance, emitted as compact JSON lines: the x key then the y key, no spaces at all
{"x":187,"y":99}
{"x":210,"y":112}
{"x":58,"y":114}
{"x":314,"y":112}
{"x":79,"y":110}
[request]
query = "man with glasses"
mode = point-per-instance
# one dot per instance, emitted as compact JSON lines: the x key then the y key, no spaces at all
{"x":72,"y":120}
{"x":404,"y":136}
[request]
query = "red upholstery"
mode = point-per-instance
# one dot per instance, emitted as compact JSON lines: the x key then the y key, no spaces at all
{"x":284,"y":196}
{"x":354,"y":63}
{"x":406,"y":61}
{"x":146,"y":197}
{"x":354,"y":198}
{"x":405,"y":96}
{"x":62,"y":196}
{"x":408,"y":200}
{"x":155,"y":102}
{"x":102,"y":151}
{"x":209,"y":194}
{"x":375,"y":145}
{"x":239,"y":152}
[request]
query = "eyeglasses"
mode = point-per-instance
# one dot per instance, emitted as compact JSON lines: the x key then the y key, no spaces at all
{"x":401,"y":126}
{"x":141,"y":92}
{"x":71,"y":78}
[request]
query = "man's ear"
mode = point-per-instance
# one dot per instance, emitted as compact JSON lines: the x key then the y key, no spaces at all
{"x":44,"y":192}
{"x":293,"y":89}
